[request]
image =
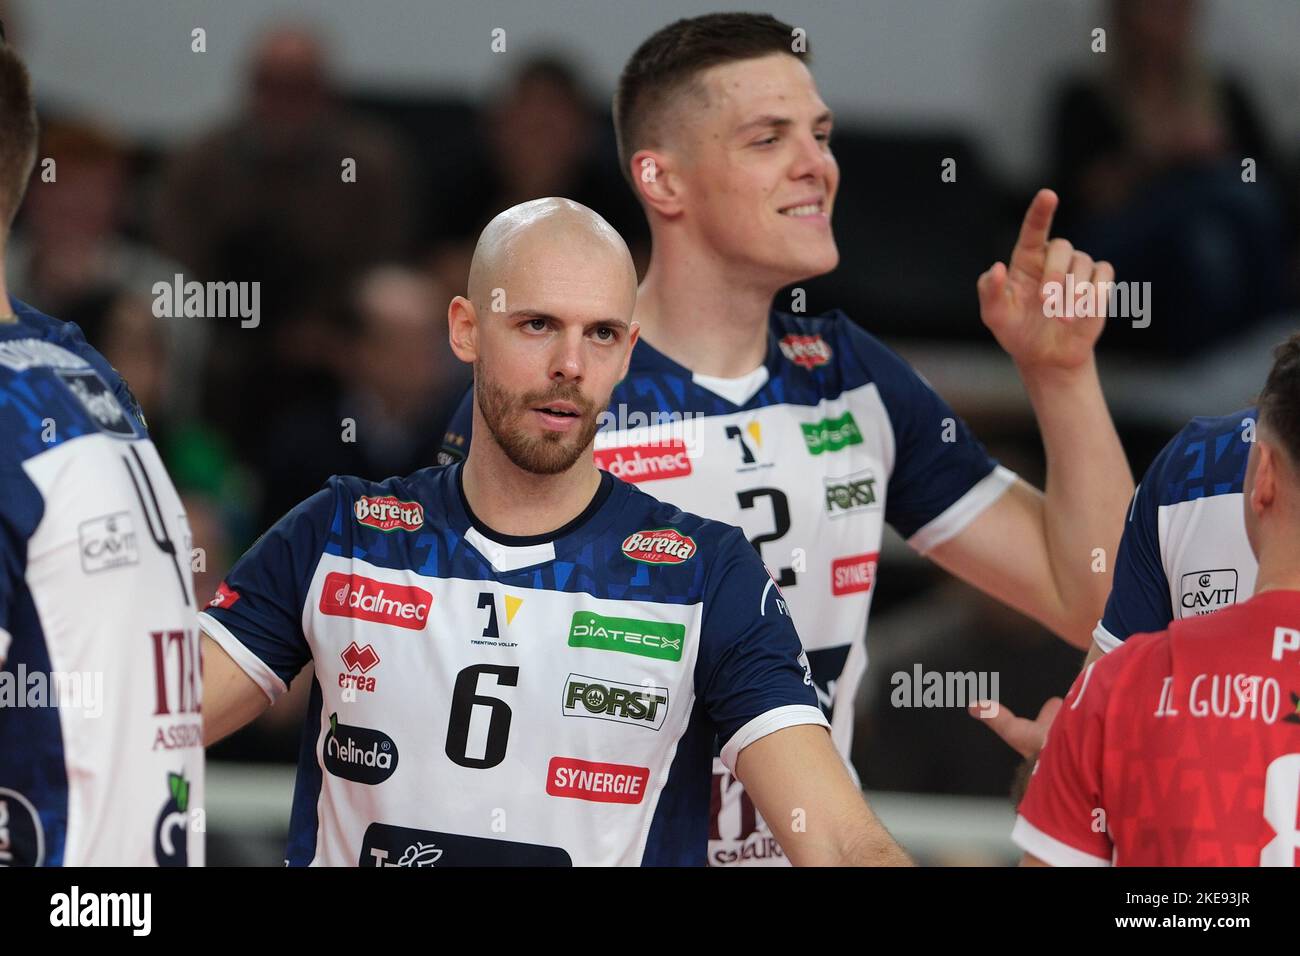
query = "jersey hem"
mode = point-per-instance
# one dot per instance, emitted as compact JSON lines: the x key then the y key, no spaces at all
{"x":958,"y":515}
{"x":1104,"y":638}
{"x":769,"y":722}
{"x":1049,"y":849}
{"x":248,"y":662}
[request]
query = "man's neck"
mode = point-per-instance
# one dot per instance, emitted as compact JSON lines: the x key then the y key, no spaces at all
{"x":1279,"y":566}
{"x":703,"y":318}
{"x":512,"y":501}
{"x":6,"y":309}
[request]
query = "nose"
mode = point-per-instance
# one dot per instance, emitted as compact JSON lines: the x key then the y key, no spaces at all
{"x":812,"y":158}
{"x":566,"y":360}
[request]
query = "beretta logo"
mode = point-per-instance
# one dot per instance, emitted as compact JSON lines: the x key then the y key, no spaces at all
{"x":659,"y":546}
{"x":359,"y":754}
{"x":389,"y":514}
{"x":646,"y":463}
{"x":810,"y":351}
{"x":351,"y":595}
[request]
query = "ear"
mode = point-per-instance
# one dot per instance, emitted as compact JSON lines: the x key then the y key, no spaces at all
{"x":633,"y":336}
{"x":462,"y":329}
{"x":656,"y":181}
{"x":1264,"y":490}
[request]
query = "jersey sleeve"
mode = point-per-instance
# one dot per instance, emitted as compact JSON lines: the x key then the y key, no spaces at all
{"x":1139,"y":594}
{"x":256,"y":615}
{"x":942,"y":478}
{"x":1062,"y":817}
{"x":455,"y":442}
{"x":21,"y":509}
{"x":752,"y":674}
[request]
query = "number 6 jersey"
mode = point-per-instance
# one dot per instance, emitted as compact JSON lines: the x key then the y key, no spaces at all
{"x":482,"y":699}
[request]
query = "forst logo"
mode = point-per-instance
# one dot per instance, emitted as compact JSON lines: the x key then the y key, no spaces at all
{"x":808,"y":351}
{"x":636,"y":463}
{"x":855,"y":492}
{"x":359,"y":754}
{"x":170,"y":841}
{"x":352,"y":595}
{"x":655,"y":639}
{"x":659,"y":546}
{"x":388,"y":513}
{"x":1203,"y":592}
{"x":831,"y":434}
{"x":636,"y":704}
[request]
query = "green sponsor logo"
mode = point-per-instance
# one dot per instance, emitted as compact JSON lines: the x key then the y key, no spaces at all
{"x":627,"y":634}
{"x":831,"y":434}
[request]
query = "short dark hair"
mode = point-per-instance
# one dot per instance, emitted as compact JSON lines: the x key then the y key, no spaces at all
{"x":1279,"y":402}
{"x":668,"y":62}
{"x":18,"y":133}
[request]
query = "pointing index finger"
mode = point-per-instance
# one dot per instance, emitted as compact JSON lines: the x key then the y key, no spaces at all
{"x":1031,"y":246}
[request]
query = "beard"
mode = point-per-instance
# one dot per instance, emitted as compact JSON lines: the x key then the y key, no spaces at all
{"x":547,"y":454}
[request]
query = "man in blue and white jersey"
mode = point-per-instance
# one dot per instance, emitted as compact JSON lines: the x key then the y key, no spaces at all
{"x":101,"y":751}
{"x":520,"y":659}
{"x":807,"y":432}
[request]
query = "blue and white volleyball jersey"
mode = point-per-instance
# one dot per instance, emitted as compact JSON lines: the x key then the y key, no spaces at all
{"x":101,"y":749}
{"x":830,"y":438}
{"x":484,"y":699}
{"x":1184,"y":551}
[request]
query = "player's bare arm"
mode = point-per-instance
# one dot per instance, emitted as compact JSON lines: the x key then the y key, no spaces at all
{"x":231,"y":699}
{"x":1049,"y":554}
{"x":799,"y":784}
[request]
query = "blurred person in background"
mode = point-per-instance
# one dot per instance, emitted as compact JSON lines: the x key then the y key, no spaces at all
{"x":1151,"y":150}
{"x":541,"y":137}
{"x":399,"y":383}
{"x":267,"y":198}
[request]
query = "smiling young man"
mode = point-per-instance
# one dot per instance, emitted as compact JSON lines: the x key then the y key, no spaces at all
{"x":520,"y":659}
{"x":806,"y":431}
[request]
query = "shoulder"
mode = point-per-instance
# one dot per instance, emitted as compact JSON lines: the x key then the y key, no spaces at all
{"x":1206,"y":458}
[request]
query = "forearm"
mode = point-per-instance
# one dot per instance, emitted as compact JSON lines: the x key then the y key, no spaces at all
{"x":230,"y":697}
{"x":1088,"y":487}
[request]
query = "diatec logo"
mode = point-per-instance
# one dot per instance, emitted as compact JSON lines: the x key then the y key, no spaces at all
{"x":352,"y":595}
{"x":659,"y":546}
{"x":809,"y":351}
{"x":389,"y":514}
{"x":636,"y":463}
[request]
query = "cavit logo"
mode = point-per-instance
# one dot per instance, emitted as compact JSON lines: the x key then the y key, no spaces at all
{"x":1204,"y":592}
{"x":659,"y":546}
{"x":627,"y":634}
{"x":388,"y":513}
{"x":358,"y":661}
{"x":107,"y":542}
{"x":646,"y":463}
{"x":831,"y":434}
{"x":809,"y":351}
{"x":359,"y":754}
{"x":224,"y":597}
{"x":352,"y":595}
{"x":602,"y":699}
{"x":597,"y":782}
{"x":170,"y":841}
{"x":854,"y":573}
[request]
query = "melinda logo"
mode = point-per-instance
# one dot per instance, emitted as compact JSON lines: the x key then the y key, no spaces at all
{"x":351,"y":595}
{"x":627,"y":634}
{"x":387,"y":514}
{"x":855,"y":573}
{"x":599,"y":782}
{"x":831,"y":434}
{"x":659,"y":546}
{"x":646,"y":463}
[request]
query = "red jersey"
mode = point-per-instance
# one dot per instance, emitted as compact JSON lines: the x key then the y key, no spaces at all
{"x":1180,"y":748}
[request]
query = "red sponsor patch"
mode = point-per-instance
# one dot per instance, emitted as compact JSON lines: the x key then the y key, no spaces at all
{"x":659,"y":546}
{"x":224,"y":596}
{"x":352,"y":595}
{"x":599,"y":782}
{"x":388,"y":513}
{"x":854,"y":573}
{"x":359,"y":659}
{"x":646,"y":462}
{"x":810,"y":351}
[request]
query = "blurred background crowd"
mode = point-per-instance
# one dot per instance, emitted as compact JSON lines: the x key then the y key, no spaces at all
{"x":1145,"y":145}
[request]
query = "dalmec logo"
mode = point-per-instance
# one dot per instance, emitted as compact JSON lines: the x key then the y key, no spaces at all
{"x":854,"y":573}
{"x":388,"y":514}
{"x":661,"y":546}
{"x":598,"y":782}
{"x":351,"y":595}
{"x":646,"y":462}
{"x":809,"y":351}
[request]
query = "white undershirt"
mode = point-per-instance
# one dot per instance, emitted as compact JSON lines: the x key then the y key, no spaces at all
{"x":735,"y":390}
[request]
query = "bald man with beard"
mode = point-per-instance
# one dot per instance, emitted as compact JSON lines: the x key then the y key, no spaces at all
{"x":520,"y":659}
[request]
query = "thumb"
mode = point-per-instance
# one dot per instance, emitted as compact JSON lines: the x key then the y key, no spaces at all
{"x":1048,"y":712}
{"x":991,"y":285}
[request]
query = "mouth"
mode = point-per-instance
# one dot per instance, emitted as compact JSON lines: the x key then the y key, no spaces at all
{"x":805,"y":209}
{"x":558,"y":416}
{"x":562,"y":409}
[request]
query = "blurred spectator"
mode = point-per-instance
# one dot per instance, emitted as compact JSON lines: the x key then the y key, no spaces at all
{"x":270,"y":198}
{"x":69,"y":245}
{"x":542,"y":138}
{"x":1149,"y":162}
{"x":400,"y":385}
